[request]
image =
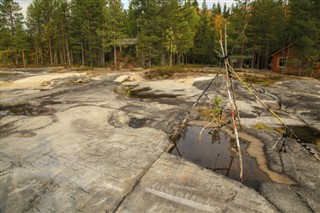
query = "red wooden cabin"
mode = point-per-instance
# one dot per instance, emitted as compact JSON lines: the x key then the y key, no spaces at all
{"x":286,"y":61}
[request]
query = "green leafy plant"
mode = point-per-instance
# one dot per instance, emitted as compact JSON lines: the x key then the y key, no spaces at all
{"x":217,"y":106}
{"x":214,"y":111}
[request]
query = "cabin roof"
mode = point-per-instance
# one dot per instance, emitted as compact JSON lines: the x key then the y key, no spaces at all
{"x":280,"y":50}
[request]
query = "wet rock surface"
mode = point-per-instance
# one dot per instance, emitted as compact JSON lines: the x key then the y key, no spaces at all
{"x":70,"y":142}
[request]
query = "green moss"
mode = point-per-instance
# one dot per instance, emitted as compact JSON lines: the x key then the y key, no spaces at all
{"x":260,"y":126}
{"x":265,"y":79}
{"x":318,"y":143}
{"x":263,"y":126}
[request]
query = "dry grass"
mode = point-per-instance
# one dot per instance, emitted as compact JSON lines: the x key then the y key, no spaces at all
{"x":263,"y":126}
{"x":264,"y":79}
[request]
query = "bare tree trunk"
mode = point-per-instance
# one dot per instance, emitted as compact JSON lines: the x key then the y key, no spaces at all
{"x":90,"y":54}
{"x":55,"y":57}
{"x":170,"y":60}
{"x":267,"y":54}
{"x":114,"y":46}
{"x":242,"y":52}
{"x":50,"y":51}
{"x":252,"y":61}
{"x":16,"y":60}
{"x":300,"y":68}
{"x":68,"y":52}
{"x":23,"y":59}
{"x":71,"y":57}
{"x":163,"y":59}
{"x":42,"y":58}
{"x":64,"y":56}
{"x":115,"y":55}
{"x":37,"y":57}
{"x":150,"y":57}
{"x":82,"y":53}
{"x":258,"y":61}
{"x":61,"y":53}
{"x":102,"y":59}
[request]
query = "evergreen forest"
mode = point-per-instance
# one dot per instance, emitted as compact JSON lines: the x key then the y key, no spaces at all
{"x":156,"y":32}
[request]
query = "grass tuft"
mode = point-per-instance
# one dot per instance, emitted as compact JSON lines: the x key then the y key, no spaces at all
{"x":262,"y":126}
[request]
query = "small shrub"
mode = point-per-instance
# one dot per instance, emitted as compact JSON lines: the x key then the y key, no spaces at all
{"x":217,"y":107}
{"x":214,"y":111}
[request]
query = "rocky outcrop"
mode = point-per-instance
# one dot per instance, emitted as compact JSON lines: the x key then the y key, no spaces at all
{"x":84,"y":148}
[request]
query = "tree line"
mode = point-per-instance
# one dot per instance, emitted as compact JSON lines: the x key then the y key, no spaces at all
{"x":155,"y":32}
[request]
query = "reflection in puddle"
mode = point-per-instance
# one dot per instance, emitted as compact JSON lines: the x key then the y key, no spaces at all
{"x":217,"y":152}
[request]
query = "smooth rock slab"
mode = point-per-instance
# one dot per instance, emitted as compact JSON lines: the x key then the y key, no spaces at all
{"x":78,"y":163}
{"x":175,"y":185}
{"x":285,"y":198}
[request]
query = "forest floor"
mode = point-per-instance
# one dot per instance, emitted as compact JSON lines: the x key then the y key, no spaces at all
{"x":97,"y":141}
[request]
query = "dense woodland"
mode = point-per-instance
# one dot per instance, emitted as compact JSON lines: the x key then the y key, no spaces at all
{"x":155,"y":32}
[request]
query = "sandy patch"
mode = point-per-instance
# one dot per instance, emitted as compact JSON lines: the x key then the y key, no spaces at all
{"x":35,"y":82}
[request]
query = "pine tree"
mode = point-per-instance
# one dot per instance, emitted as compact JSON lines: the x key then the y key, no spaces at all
{"x":203,"y":51}
{"x":13,"y":39}
{"x":41,"y":27}
{"x":150,"y":30}
{"x":304,"y":31}
{"x":87,"y":20}
{"x":226,"y":11}
{"x":237,"y":31}
{"x":61,"y":19}
{"x":170,"y":43}
{"x":264,"y":40}
{"x":216,"y":9}
{"x":115,"y":26}
{"x":188,"y":21}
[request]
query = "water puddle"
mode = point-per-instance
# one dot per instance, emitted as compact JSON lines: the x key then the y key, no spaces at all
{"x":217,"y":152}
{"x":306,"y":134}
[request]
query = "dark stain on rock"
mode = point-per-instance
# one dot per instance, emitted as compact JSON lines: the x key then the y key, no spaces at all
{"x":145,"y":94}
{"x":141,"y":92}
{"x":247,"y":115}
{"x":25,"y":134}
{"x":26,"y":110}
{"x":137,"y":123}
{"x":50,"y":102}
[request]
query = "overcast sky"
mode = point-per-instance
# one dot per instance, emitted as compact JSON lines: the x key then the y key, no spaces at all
{"x":24,"y":3}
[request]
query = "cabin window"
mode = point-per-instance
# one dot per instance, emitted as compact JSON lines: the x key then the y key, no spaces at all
{"x":282,"y":62}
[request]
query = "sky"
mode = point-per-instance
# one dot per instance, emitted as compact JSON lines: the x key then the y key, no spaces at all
{"x":24,"y":3}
